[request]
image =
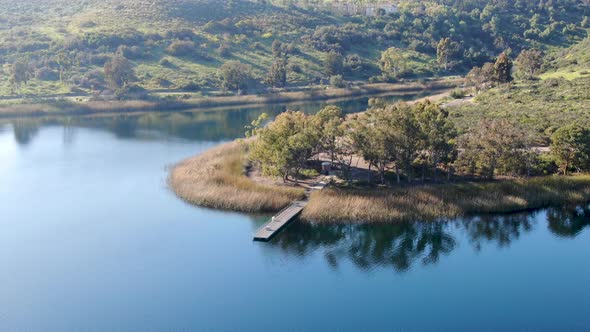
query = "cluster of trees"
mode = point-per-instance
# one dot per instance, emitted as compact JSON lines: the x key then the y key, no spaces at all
{"x":397,"y":135}
{"x":410,"y":141}
{"x":528,"y":65}
{"x":491,"y":73}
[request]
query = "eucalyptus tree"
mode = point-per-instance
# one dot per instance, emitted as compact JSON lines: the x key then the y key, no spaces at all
{"x":328,"y":122}
{"x":494,"y":147}
{"x":119,"y":72}
{"x":371,"y":140}
{"x":503,"y":68}
{"x":438,"y":135}
{"x":283,"y":147}
{"x":406,"y":137}
{"x":570,"y":145}
{"x":235,"y":75}
{"x":529,"y":63}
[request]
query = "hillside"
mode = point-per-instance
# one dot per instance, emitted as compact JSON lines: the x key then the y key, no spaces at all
{"x":179,"y":45}
{"x":570,"y":63}
{"x":559,"y":96}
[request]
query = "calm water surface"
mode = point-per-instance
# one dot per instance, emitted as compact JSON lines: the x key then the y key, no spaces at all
{"x":92,"y":239}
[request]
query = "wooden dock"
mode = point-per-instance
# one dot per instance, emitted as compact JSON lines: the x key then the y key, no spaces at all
{"x":279,"y":221}
{"x":284,"y":217}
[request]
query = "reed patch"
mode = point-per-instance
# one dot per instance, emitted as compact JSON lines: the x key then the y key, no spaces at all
{"x":217,"y":179}
{"x":444,"y":201}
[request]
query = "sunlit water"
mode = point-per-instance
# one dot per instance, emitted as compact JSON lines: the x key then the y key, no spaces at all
{"x":91,"y":238}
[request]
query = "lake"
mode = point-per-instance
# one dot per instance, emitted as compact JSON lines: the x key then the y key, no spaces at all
{"x":92,"y":239}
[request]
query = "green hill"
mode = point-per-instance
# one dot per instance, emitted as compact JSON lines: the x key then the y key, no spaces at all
{"x":570,"y":63}
{"x":179,"y":45}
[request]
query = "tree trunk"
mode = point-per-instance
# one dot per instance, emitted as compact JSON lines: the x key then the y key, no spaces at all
{"x":397,"y":173}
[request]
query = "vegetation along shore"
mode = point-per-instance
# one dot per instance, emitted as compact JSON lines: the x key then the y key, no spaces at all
{"x":502,"y":151}
{"x":72,"y":106}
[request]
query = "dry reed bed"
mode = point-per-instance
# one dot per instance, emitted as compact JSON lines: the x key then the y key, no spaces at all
{"x":216,"y":179}
{"x":435,"y":202}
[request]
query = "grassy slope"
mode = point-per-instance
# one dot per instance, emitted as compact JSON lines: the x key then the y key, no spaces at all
{"x":571,"y":63}
{"x":560,"y":97}
{"x":37,"y":28}
{"x":541,"y":106}
{"x":53,"y":21}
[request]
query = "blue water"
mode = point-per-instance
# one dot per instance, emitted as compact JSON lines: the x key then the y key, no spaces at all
{"x":91,"y":239}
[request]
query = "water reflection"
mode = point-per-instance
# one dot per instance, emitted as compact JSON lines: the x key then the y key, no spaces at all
{"x":404,"y":245}
{"x":568,"y":222}
{"x":367,"y":246}
{"x":25,"y":130}
{"x":499,"y":229}
{"x":199,"y":125}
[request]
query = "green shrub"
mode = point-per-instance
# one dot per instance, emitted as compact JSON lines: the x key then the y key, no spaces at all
{"x":309,"y":173}
{"x":458,"y":93}
{"x":181,"y":48}
{"x":337,"y":81}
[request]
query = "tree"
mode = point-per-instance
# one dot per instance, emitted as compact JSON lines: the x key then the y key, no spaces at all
{"x":445,"y":50}
{"x":337,"y":81}
{"x":371,"y":139}
{"x":570,"y":145}
{"x":503,"y":68}
{"x":488,"y":72}
{"x":20,"y":73}
{"x":529,"y":63}
{"x":393,"y":64}
{"x":235,"y":75}
{"x":387,"y":135}
{"x":283,"y":147}
{"x":254,"y":126}
{"x":329,"y":127}
{"x":438,"y":134}
{"x":494,"y":146}
{"x":406,"y":137}
{"x":64,"y":61}
{"x":277,"y":49}
{"x":333,"y":63}
{"x":277,"y":75}
{"x":118,"y":72}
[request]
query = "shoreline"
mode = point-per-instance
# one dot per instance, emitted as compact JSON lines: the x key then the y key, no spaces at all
{"x":218,"y":179}
{"x":62,"y":107}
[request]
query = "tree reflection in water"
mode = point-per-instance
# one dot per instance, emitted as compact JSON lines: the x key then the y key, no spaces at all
{"x":499,"y":229}
{"x":402,"y":246}
{"x":568,"y":222}
{"x":368,"y":246}
{"x":25,"y":130}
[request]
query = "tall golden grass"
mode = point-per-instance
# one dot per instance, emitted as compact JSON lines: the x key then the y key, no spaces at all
{"x":217,"y":179}
{"x":445,"y":201}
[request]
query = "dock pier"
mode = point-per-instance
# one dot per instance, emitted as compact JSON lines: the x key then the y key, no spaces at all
{"x":285,"y":216}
